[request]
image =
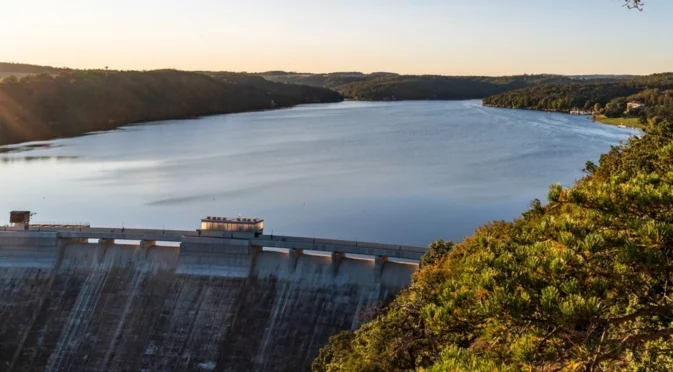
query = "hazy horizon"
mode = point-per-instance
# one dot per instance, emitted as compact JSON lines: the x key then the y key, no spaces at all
{"x":482,"y":37}
{"x":327,"y":72}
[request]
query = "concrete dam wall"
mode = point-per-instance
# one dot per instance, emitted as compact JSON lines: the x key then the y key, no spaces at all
{"x":203,"y":304}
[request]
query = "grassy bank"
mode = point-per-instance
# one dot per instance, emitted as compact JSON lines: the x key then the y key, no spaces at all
{"x":627,"y":122}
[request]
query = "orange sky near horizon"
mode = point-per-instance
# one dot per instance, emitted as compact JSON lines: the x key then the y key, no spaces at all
{"x":480,"y":37}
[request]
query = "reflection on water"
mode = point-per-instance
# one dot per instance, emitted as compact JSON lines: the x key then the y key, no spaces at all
{"x":28,"y":159}
{"x":398,"y":172}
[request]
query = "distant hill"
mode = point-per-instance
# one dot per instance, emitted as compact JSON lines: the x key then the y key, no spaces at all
{"x":283,"y":95}
{"x":386,"y":86}
{"x":434,"y":87}
{"x":603,"y":76}
{"x":52,"y":104}
{"x":332,"y":80}
{"x":22,"y":69}
{"x":7,"y":67}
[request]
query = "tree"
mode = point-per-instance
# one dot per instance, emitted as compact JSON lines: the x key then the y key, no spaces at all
{"x":337,"y":349}
{"x":436,"y":252}
{"x":634,"y":4}
{"x":11,"y":79}
{"x":616,"y":107}
{"x":598,"y":109}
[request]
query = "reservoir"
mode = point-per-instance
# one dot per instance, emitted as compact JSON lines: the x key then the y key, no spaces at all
{"x":390,"y":172}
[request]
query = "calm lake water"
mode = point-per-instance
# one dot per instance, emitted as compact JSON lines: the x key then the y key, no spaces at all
{"x":402,"y":172}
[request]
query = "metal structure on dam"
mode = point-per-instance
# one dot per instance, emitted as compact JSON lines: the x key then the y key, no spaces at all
{"x":223,"y":297}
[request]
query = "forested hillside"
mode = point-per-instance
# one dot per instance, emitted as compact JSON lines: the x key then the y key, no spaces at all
{"x":45,"y":106}
{"x":565,"y":97}
{"x":390,"y":88}
{"x":584,"y":283}
{"x":385,"y":86}
{"x":332,"y":80}
{"x":283,"y":94}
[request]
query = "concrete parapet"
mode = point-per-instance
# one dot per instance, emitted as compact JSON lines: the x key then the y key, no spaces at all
{"x":119,"y":234}
{"x":224,"y":234}
{"x":27,"y":239}
{"x":214,"y":253}
{"x":323,"y":245}
{"x":215,"y":238}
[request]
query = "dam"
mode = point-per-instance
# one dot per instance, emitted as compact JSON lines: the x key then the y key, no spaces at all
{"x":225,"y":297}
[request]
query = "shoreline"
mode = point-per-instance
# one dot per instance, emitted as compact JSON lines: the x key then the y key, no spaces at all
{"x":11,"y":147}
{"x":6,"y":147}
{"x":633,"y":123}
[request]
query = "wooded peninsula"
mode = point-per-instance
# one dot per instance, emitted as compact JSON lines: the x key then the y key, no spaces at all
{"x":653,"y":96}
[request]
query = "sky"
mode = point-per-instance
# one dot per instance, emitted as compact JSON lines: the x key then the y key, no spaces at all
{"x":449,"y":37}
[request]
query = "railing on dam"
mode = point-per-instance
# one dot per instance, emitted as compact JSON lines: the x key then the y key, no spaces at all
{"x":340,"y":246}
{"x":299,"y":244}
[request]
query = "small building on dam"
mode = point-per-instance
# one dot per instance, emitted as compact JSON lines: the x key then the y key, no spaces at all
{"x":238,"y":224}
{"x":224,"y":297}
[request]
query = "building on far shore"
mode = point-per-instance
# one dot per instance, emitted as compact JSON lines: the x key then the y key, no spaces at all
{"x":579,"y":111}
{"x":634,"y":106}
